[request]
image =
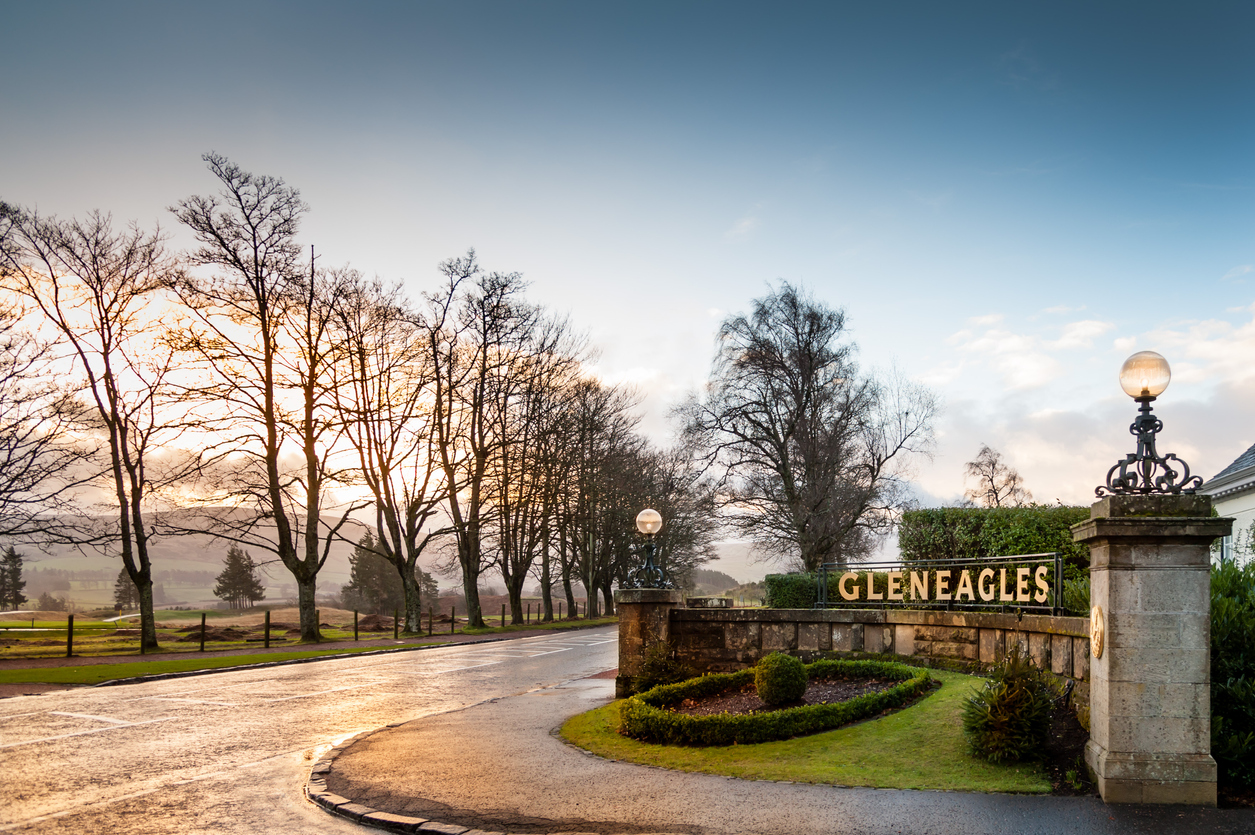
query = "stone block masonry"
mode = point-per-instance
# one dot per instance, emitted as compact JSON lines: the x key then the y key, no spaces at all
{"x":725,"y":640}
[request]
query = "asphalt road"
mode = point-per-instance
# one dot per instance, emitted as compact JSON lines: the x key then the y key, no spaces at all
{"x":229,"y":752}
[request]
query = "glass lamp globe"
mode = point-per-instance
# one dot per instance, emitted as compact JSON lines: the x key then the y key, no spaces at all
{"x":1145,"y":374}
{"x":649,"y":522}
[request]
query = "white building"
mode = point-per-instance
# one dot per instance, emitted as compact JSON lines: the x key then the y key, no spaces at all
{"x":1232,"y":493}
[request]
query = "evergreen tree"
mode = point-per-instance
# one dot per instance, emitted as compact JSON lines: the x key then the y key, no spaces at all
{"x":374,"y":584}
{"x":11,"y":582}
{"x":238,"y":584}
{"x":125,"y":595}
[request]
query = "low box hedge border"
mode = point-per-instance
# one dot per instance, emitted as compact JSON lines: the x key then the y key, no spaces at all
{"x":648,"y":716}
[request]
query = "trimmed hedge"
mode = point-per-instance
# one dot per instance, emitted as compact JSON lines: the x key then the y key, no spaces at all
{"x":976,"y":533}
{"x":650,"y":717}
{"x":1233,"y":672}
{"x":791,"y":591}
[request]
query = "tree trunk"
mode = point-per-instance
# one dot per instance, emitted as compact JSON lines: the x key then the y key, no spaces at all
{"x":607,"y":598}
{"x":147,"y":618}
{"x":515,"y":591}
{"x":306,"y":594}
{"x":546,"y":594}
{"x":413,"y":603}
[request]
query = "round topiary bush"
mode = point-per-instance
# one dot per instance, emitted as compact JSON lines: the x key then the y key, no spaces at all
{"x":780,"y":679}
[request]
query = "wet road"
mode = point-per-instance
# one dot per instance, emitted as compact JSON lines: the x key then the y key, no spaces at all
{"x":229,"y":752}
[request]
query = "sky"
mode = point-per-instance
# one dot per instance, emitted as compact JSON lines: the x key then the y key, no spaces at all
{"x":1006,"y":199}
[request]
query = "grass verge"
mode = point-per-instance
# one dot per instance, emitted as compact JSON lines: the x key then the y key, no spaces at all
{"x":920,"y":747}
{"x":557,"y":626}
{"x":96,"y":673}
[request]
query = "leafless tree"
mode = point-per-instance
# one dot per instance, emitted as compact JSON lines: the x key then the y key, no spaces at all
{"x":101,"y":292}
{"x":476,"y":326}
{"x":262,"y":333}
{"x":997,"y":483}
{"x":383,"y":395}
{"x":42,"y":463}
{"x":809,"y":450}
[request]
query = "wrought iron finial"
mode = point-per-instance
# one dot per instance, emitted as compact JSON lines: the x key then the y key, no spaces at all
{"x":1145,"y":471}
{"x":648,"y":576}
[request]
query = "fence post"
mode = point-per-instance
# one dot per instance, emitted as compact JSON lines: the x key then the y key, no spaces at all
{"x":559,"y":610}
{"x":453,"y":618}
{"x":529,"y":613}
{"x":396,"y":625}
{"x":431,"y":620}
{"x":267,"y":629}
{"x":202,"y":633}
{"x":355,"y":624}
{"x":503,"y":616}
{"x":69,"y":636}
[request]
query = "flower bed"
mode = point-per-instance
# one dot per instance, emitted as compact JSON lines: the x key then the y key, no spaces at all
{"x":651,"y":716}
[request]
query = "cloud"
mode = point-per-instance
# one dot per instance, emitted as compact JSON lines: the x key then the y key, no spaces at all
{"x":1080,"y":334}
{"x":1063,"y":308}
{"x":742,"y":228}
{"x":1023,"y":360}
{"x":1237,"y":271}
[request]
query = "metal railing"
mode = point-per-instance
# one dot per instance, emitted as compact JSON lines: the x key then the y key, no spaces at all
{"x":1052,"y":605}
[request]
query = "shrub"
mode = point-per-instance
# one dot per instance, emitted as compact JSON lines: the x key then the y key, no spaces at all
{"x":1008,"y":719}
{"x":1076,"y":596}
{"x":791,"y":591}
{"x":660,"y":667}
{"x":779,"y":679}
{"x":1233,"y":672}
{"x":976,"y":533}
{"x":647,"y":716}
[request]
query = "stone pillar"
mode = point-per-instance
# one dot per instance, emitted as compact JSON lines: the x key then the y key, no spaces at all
{"x":644,"y":620}
{"x":1150,"y":624}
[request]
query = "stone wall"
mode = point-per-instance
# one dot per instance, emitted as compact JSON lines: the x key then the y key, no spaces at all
{"x":723,"y":640}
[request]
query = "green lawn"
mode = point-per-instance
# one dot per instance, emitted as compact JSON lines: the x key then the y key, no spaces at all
{"x":920,"y":747}
{"x":96,"y":673}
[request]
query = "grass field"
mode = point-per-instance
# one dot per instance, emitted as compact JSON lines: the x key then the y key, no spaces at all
{"x":97,"y":638}
{"x":920,"y":747}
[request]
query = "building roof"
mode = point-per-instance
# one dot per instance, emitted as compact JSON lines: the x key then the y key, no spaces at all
{"x":1237,"y":477}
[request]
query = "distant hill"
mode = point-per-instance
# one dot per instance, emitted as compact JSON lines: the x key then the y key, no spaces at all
{"x":184,"y":565}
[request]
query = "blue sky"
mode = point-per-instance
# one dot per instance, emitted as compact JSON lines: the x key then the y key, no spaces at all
{"x":1007,"y":199}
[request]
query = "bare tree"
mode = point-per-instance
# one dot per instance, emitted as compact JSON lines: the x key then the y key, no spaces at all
{"x":809,"y":451}
{"x":382,"y":393}
{"x":262,"y":333}
{"x":997,"y":484}
{"x":529,"y":399}
{"x":101,"y":293}
{"x":41,"y":462}
{"x":476,"y":326}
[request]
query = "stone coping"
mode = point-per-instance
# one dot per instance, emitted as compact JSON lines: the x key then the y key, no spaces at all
{"x":1072,"y":626}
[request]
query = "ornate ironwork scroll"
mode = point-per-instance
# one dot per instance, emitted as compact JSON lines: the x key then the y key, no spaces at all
{"x":649,"y":575}
{"x":1146,"y":471}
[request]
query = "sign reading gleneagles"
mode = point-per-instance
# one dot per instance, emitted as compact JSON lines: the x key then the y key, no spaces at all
{"x":1017,"y":585}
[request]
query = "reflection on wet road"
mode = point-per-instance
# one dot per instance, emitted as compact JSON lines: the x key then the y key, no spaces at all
{"x":228,"y":752}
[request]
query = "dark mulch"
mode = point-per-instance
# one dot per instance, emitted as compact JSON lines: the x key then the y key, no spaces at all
{"x":225,"y":633}
{"x":1064,"y":752}
{"x":1234,"y":797}
{"x":745,"y":700}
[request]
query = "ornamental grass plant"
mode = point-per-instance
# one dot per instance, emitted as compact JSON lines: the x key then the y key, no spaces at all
{"x":1008,"y":719}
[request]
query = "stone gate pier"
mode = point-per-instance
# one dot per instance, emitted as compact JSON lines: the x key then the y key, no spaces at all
{"x":1150,"y":664}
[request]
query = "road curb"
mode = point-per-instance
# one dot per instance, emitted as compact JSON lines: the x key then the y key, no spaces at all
{"x":316,"y":792}
{"x":364,"y":654}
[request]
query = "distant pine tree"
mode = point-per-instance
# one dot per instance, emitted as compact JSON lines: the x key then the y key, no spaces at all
{"x":238,"y":584}
{"x":11,"y":582}
{"x":374,"y":584}
{"x":125,"y":595}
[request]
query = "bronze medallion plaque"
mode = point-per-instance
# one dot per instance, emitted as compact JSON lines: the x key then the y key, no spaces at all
{"x":1096,"y":630}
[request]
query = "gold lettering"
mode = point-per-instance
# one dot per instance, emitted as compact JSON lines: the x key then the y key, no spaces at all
{"x":872,"y":594}
{"x":1021,"y":584}
{"x":895,"y":585}
{"x":845,"y":594}
{"x":919,"y":585}
{"x":1005,"y":596}
{"x":965,"y":586}
{"x":986,"y":592}
{"x":1043,"y":591}
{"x":943,"y":583}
